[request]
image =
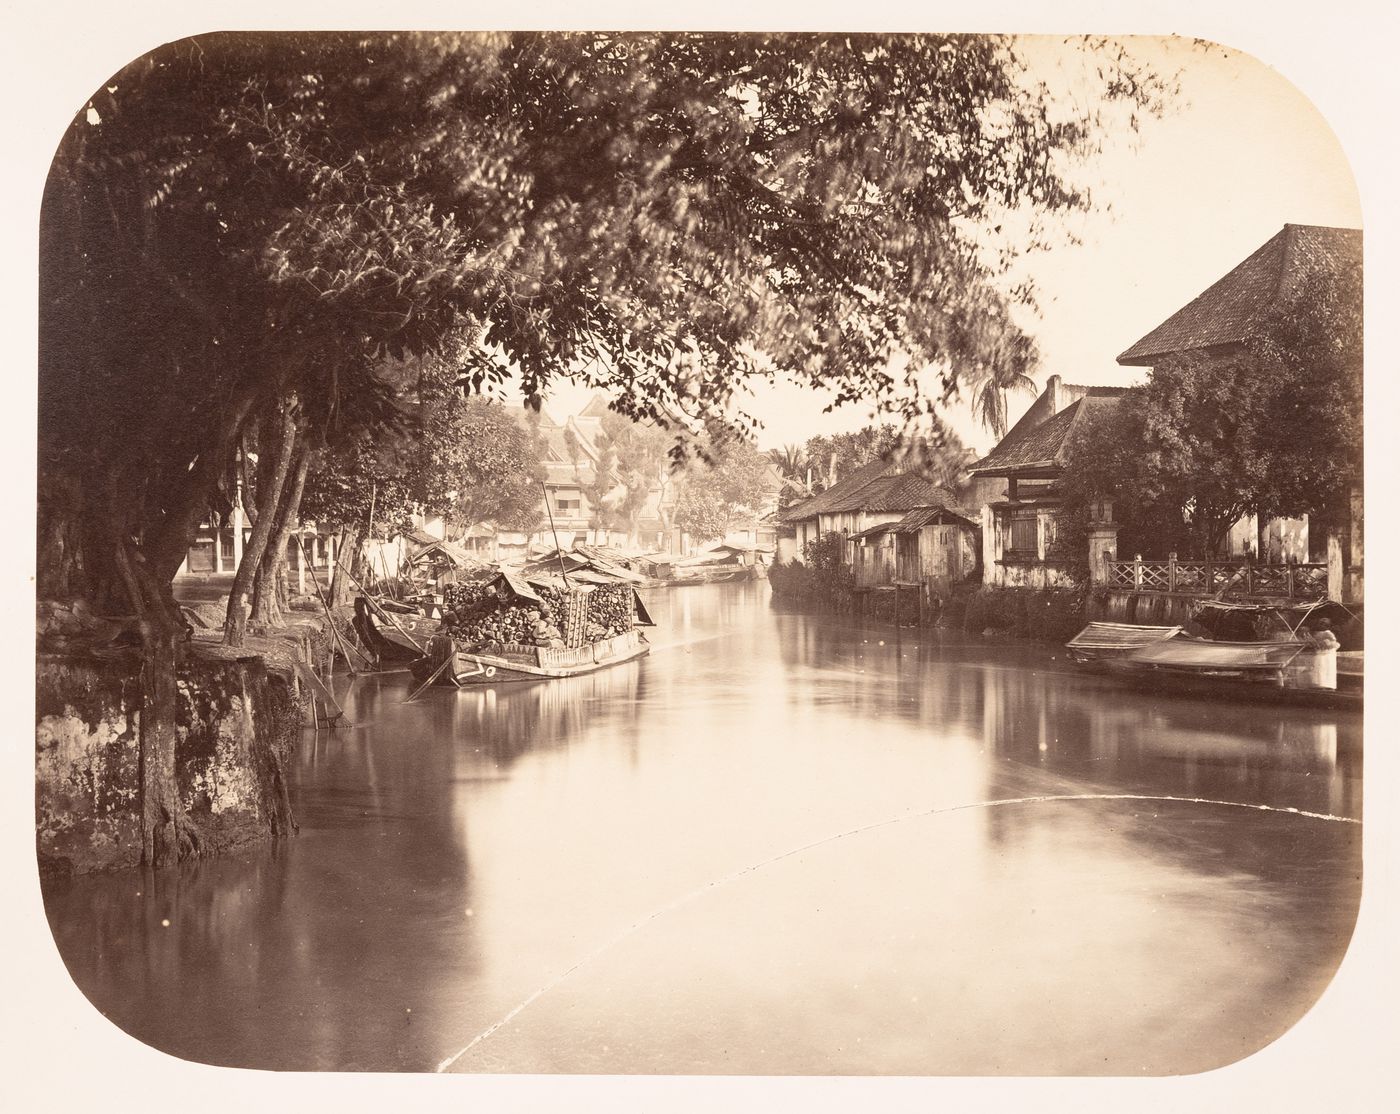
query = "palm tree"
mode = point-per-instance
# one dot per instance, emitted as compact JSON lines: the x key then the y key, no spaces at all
{"x":1010,"y":355}
{"x":989,"y":397}
{"x":792,"y":464}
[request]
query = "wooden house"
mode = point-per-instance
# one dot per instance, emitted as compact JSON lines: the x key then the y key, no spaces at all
{"x":900,"y":528}
{"x":1020,"y":537}
{"x":934,"y":547}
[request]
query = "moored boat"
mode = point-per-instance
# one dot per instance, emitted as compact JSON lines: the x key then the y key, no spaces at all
{"x":1284,"y":663}
{"x":521,"y":662}
{"x":517,"y":628}
{"x":1100,"y":641}
{"x":396,"y":635}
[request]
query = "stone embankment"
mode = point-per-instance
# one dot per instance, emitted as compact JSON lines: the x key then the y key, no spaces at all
{"x":240,"y":715}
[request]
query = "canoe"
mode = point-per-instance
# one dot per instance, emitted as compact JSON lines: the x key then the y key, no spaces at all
{"x":517,"y":662}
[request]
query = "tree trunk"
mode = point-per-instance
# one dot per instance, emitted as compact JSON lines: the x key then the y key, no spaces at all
{"x":166,"y":544}
{"x":269,"y":584}
{"x":269,"y":495}
{"x":167,"y":834}
{"x":348,"y":559}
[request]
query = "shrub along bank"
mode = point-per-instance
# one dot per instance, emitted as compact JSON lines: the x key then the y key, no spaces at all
{"x":822,"y":582}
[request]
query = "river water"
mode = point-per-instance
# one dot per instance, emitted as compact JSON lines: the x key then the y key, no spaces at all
{"x":781,"y":844}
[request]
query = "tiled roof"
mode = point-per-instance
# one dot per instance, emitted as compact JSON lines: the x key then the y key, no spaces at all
{"x":824,"y":502}
{"x":920,"y":517}
{"x":1042,"y":446}
{"x":1228,"y":311}
{"x":900,"y":491}
{"x":879,"y":487}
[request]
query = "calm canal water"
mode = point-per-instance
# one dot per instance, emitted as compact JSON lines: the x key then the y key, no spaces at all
{"x":780,"y":844}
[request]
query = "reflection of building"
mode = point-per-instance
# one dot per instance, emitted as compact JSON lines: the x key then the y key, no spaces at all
{"x":1173,"y":747}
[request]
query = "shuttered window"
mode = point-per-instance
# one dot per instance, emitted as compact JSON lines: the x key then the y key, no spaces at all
{"x":1023,"y":536}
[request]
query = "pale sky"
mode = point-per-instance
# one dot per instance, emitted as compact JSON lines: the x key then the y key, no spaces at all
{"x":1241,"y":153}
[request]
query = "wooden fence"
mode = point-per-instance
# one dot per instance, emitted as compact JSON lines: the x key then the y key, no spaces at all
{"x":1219,"y":578}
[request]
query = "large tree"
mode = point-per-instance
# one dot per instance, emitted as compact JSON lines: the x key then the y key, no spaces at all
{"x":238,"y":228}
{"x":1272,"y":428}
{"x":833,"y":457}
{"x":725,"y":481}
{"x":633,"y":461}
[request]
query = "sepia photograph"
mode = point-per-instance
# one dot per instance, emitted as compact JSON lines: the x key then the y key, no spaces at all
{"x":718,"y":553}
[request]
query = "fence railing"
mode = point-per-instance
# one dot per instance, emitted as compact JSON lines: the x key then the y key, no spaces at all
{"x":1213,"y":578}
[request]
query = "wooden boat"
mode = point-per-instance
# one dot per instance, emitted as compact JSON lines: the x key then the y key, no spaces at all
{"x":396,"y":635}
{"x":1100,"y":641}
{"x":519,"y":662}
{"x":1284,"y":668}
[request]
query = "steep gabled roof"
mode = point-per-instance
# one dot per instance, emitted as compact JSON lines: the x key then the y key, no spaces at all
{"x":824,"y":502}
{"x":597,"y":408}
{"x":1228,"y":311}
{"x":1039,"y":447}
{"x":560,"y":469}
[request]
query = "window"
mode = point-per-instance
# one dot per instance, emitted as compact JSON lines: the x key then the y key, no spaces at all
{"x":1023,"y":539}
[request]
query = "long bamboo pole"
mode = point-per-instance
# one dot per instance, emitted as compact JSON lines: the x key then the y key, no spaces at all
{"x":550,"y":511}
{"x":335,"y":631}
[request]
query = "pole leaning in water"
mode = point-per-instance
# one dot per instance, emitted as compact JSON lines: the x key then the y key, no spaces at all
{"x":335,"y":631}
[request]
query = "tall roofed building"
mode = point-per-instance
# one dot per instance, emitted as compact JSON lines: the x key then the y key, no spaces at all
{"x":1232,"y":311}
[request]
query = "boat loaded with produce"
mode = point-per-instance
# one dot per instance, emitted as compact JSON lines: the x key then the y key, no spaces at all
{"x":512,"y":629}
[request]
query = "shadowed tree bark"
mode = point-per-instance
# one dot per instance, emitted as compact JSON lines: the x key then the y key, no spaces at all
{"x":278,"y":461}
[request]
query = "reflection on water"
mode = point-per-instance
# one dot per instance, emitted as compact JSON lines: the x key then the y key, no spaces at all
{"x":779,"y":844}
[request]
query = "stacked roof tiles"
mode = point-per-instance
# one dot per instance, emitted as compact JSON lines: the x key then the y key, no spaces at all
{"x":881,"y":487}
{"x":1228,"y":311}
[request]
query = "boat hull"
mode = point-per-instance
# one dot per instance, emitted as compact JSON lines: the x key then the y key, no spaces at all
{"x":1291,"y":672}
{"x":1262,"y":687}
{"x":388,"y":643}
{"x":522,"y":663}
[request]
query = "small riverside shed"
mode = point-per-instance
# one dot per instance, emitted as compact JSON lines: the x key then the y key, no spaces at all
{"x":932,"y":546}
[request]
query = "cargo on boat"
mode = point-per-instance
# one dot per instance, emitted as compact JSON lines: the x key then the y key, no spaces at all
{"x":514,"y":628}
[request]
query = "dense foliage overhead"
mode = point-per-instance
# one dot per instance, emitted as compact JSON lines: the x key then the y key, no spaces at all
{"x":238,"y":229}
{"x":238,"y":216}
